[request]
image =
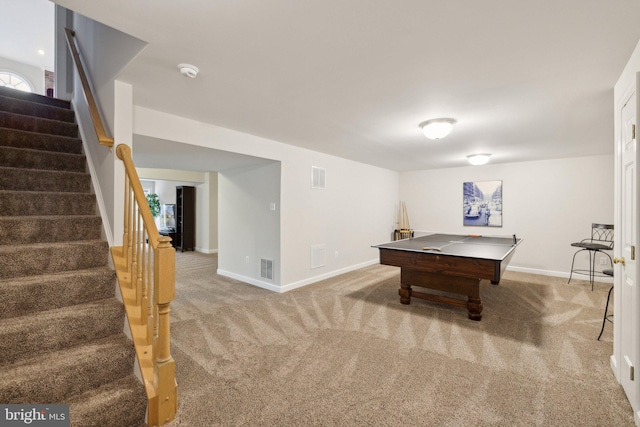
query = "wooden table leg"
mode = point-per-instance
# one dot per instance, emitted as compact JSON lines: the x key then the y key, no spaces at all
{"x":462,"y":286}
{"x":405,"y":293}
{"x":474,"y":306}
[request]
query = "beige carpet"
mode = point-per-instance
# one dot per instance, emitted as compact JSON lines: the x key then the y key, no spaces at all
{"x":345,"y":352}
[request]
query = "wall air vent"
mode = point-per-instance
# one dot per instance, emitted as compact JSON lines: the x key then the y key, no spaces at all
{"x":318,"y":178}
{"x":317,"y":256}
{"x":266,"y":269}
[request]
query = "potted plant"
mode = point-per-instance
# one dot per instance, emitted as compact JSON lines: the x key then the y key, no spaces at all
{"x":154,"y":204}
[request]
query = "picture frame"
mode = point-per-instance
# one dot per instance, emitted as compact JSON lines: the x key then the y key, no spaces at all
{"x":482,"y":203}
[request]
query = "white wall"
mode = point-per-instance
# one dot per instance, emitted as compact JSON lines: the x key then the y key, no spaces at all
{"x":212,"y":216}
{"x":166,"y":190}
{"x":249,"y":230}
{"x":355,"y":211}
{"x":32,"y":74}
{"x":103,"y":63}
{"x":105,"y":52}
{"x":63,"y":67}
{"x":549,"y":204}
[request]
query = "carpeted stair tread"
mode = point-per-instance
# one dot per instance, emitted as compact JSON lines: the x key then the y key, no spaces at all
{"x":37,"y":159}
{"x":43,"y":229}
{"x":25,"y":295}
{"x":60,"y":328}
{"x":37,"y":124}
{"x":56,"y":377}
{"x":46,"y":258}
{"x":60,"y":322}
{"x":21,"y":106}
{"x":18,"y":179}
{"x":39,"y":141}
{"x":119,"y":403}
{"x":34,"y":97}
{"x":38,"y":203}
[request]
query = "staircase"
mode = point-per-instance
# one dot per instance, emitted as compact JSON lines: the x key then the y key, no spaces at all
{"x":60,"y":322}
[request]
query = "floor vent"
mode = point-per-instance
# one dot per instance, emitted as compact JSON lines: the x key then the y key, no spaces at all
{"x":317,"y":256}
{"x":266,"y":269}
{"x":318,"y":178}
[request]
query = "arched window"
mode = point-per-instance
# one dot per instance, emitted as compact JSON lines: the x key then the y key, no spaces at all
{"x":14,"y":81}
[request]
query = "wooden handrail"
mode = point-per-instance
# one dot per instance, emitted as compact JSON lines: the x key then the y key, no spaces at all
{"x":124,"y":153}
{"x":145,"y":266}
{"x":86,"y":87}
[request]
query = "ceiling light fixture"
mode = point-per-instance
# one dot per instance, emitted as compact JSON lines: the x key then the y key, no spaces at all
{"x":188,"y":70}
{"x":479,"y":159}
{"x":437,"y":128}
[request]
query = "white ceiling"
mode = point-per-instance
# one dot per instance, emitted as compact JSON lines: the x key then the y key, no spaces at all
{"x":524,"y":80}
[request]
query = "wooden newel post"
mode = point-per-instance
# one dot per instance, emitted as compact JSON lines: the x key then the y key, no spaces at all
{"x":164,"y":370}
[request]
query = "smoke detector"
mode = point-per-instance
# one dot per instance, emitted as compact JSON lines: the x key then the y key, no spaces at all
{"x":188,"y":70}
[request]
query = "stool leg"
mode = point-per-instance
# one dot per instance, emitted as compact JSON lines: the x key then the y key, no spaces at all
{"x":606,"y":308}
{"x":593,"y":269}
{"x":573,"y":261}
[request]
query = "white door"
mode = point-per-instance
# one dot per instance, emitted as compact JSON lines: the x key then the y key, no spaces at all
{"x":625,"y":272}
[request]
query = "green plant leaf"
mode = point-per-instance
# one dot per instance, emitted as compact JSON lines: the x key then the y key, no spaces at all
{"x":154,"y":204}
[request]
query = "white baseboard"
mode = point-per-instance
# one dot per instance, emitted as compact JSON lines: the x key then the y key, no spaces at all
{"x":295,"y":285}
{"x":557,"y":274}
{"x":328,"y":275}
{"x":206,"y":251}
{"x":314,"y":279}
{"x":613,"y":364}
{"x":249,"y":280}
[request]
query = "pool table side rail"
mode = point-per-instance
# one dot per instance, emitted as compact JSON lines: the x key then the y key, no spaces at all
{"x":447,"y":265}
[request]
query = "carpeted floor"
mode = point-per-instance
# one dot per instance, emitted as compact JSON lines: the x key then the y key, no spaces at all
{"x":345,"y":352}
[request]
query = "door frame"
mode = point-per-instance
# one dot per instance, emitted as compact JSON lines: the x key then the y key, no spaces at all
{"x":631,"y":94}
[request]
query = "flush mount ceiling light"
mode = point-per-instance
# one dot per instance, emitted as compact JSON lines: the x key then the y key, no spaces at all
{"x":437,"y":128}
{"x":479,"y":159}
{"x":188,"y":70}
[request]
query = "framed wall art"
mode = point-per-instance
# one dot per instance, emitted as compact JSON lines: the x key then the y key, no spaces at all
{"x":482,"y":203}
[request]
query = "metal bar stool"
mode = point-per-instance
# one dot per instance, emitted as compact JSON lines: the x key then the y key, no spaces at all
{"x":601,"y":240}
{"x":608,"y":272}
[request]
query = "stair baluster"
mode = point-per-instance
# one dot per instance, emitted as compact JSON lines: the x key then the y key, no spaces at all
{"x":145,"y":266}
